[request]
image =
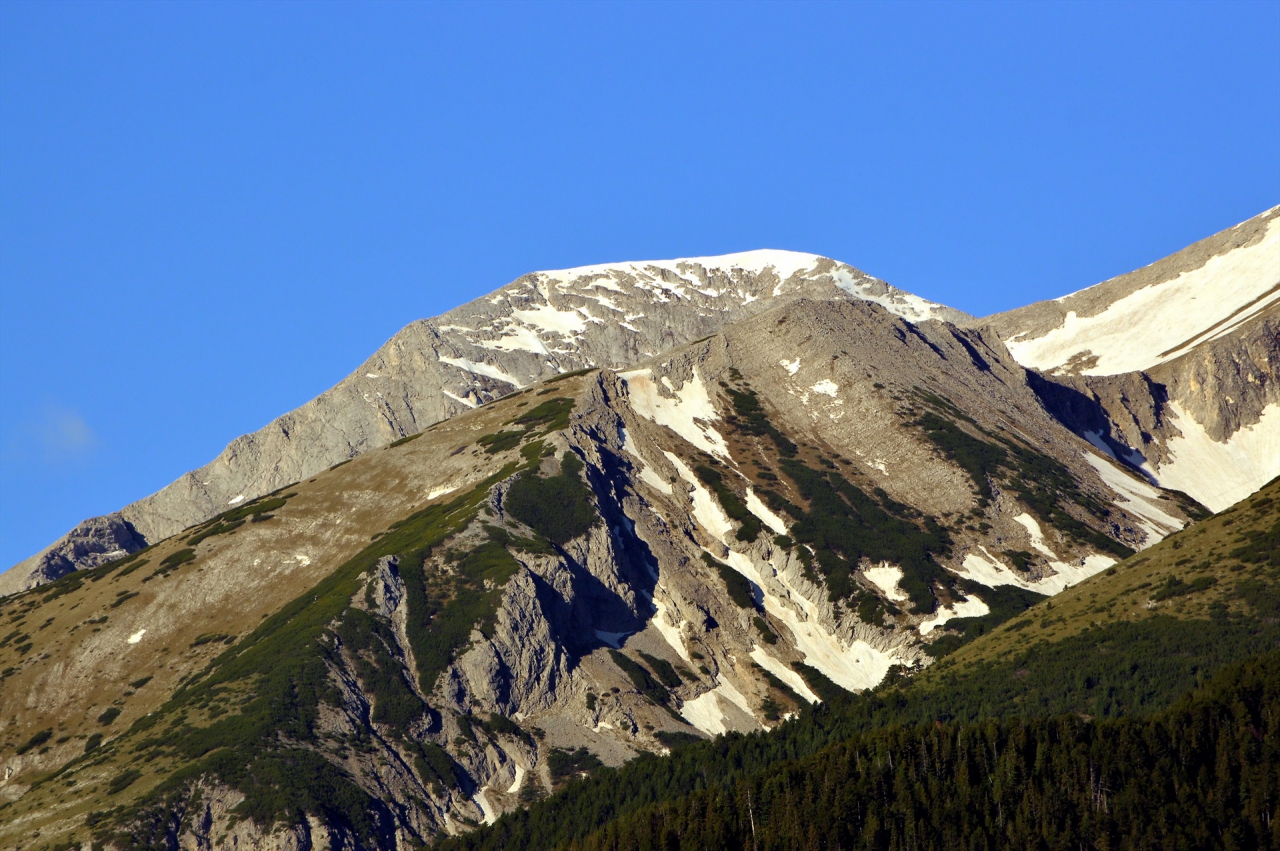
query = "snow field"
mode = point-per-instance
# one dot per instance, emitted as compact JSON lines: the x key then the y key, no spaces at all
{"x":678,"y":412}
{"x":1218,"y":475}
{"x":1138,"y":498}
{"x":1158,"y":323}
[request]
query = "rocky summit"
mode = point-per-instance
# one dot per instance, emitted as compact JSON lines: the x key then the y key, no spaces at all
{"x":579,"y":527}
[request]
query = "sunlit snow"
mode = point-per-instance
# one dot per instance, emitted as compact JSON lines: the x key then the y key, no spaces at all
{"x":1158,"y":323}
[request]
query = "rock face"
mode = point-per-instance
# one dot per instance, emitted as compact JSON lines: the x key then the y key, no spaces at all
{"x":806,"y":499}
{"x":540,"y":325}
{"x":95,"y":541}
{"x":1173,"y":368}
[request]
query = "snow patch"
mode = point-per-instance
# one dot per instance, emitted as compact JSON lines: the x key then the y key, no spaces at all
{"x":707,"y":710}
{"x":484,"y":369}
{"x":855,"y":667}
{"x":826,"y":387}
{"x":613,"y":639}
{"x":1218,"y":475}
{"x":706,"y":510}
{"x":460,"y":399}
{"x":647,"y":474}
{"x":679,"y":412}
{"x":238,"y":498}
{"x":990,"y":571}
{"x":1138,"y":498}
{"x":1029,"y":523}
{"x":886,"y":577}
{"x":791,"y":366}
{"x":490,"y":814}
{"x":518,"y":782}
{"x":784,"y":673}
{"x":441,"y":491}
{"x":136,"y":637}
{"x":1161,"y":322}
{"x":759,"y":509}
{"x":302,"y":559}
{"x":668,"y":628}
{"x":972,"y":607}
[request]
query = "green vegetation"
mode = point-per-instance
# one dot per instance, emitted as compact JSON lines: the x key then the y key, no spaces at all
{"x":749,"y":525}
{"x":1040,"y":483}
{"x":34,"y":742}
{"x":641,"y":679}
{"x":263,"y":744}
{"x":559,"y":507}
{"x":1099,"y":665}
{"x":844,"y":525}
{"x":767,"y":635}
{"x":92,"y":742}
{"x":500,"y":441}
{"x":172,"y":562}
{"x":551,"y":415}
{"x":407,"y":438}
{"x":739,"y":587}
{"x":109,"y":715}
{"x":564,"y":764}
{"x":1004,"y":602}
{"x":750,"y":418}
{"x":122,"y":781}
{"x":574,"y":374}
{"x":228,"y":521}
{"x":666,"y":673}
{"x":1201,"y":774}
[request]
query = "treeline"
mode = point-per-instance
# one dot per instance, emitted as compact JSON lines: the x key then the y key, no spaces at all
{"x":1205,"y":774}
{"x":1121,"y":670}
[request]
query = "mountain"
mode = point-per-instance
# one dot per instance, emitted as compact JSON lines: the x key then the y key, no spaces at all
{"x":1057,"y":697}
{"x":1172,"y":368}
{"x":536,"y":550}
{"x":601,"y":565}
{"x":539,"y":325}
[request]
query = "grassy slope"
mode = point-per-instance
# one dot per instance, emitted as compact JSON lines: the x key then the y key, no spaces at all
{"x":1105,"y":649}
{"x":216,"y":706}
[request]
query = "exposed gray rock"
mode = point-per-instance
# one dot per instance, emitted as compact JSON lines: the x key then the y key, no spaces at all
{"x":95,"y":541}
{"x":542,"y":324}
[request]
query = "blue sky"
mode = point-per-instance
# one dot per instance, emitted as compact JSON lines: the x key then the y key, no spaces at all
{"x":210,"y":213}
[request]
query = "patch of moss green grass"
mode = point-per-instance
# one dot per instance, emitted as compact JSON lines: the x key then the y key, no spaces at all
{"x":552,"y":415}
{"x":559,"y":508}
{"x":574,"y":374}
{"x":844,"y":525}
{"x":666,"y":673}
{"x":1040,"y":483}
{"x":749,"y":526}
{"x":406,"y":439}
{"x":739,"y":587}
{"x":641,"y":678}
{"x":266,"y":691}
{"x":229,"y":521}
{"x":751,"y":419}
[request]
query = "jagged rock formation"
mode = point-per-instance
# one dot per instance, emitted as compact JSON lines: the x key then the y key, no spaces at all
{"x":541,"y":324}
{"x":783,"y":481}
{"x":448,"y":651}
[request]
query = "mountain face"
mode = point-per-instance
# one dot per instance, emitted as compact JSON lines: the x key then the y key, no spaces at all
{"x":600,"y":565}
{"x":1173,"y":368}
{"x":538,"y":326}
{"x":602,"y":513}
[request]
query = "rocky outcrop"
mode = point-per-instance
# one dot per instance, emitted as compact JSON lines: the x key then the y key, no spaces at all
{"x":94,"y":542}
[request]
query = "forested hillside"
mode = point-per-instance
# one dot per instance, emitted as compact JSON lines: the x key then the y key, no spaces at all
{"x":1077,"y":684}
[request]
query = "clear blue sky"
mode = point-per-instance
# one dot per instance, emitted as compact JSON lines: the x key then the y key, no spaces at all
{"x":211,"y":213}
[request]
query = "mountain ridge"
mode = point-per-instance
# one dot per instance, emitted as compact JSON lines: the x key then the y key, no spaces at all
{"x":539,"y":325}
